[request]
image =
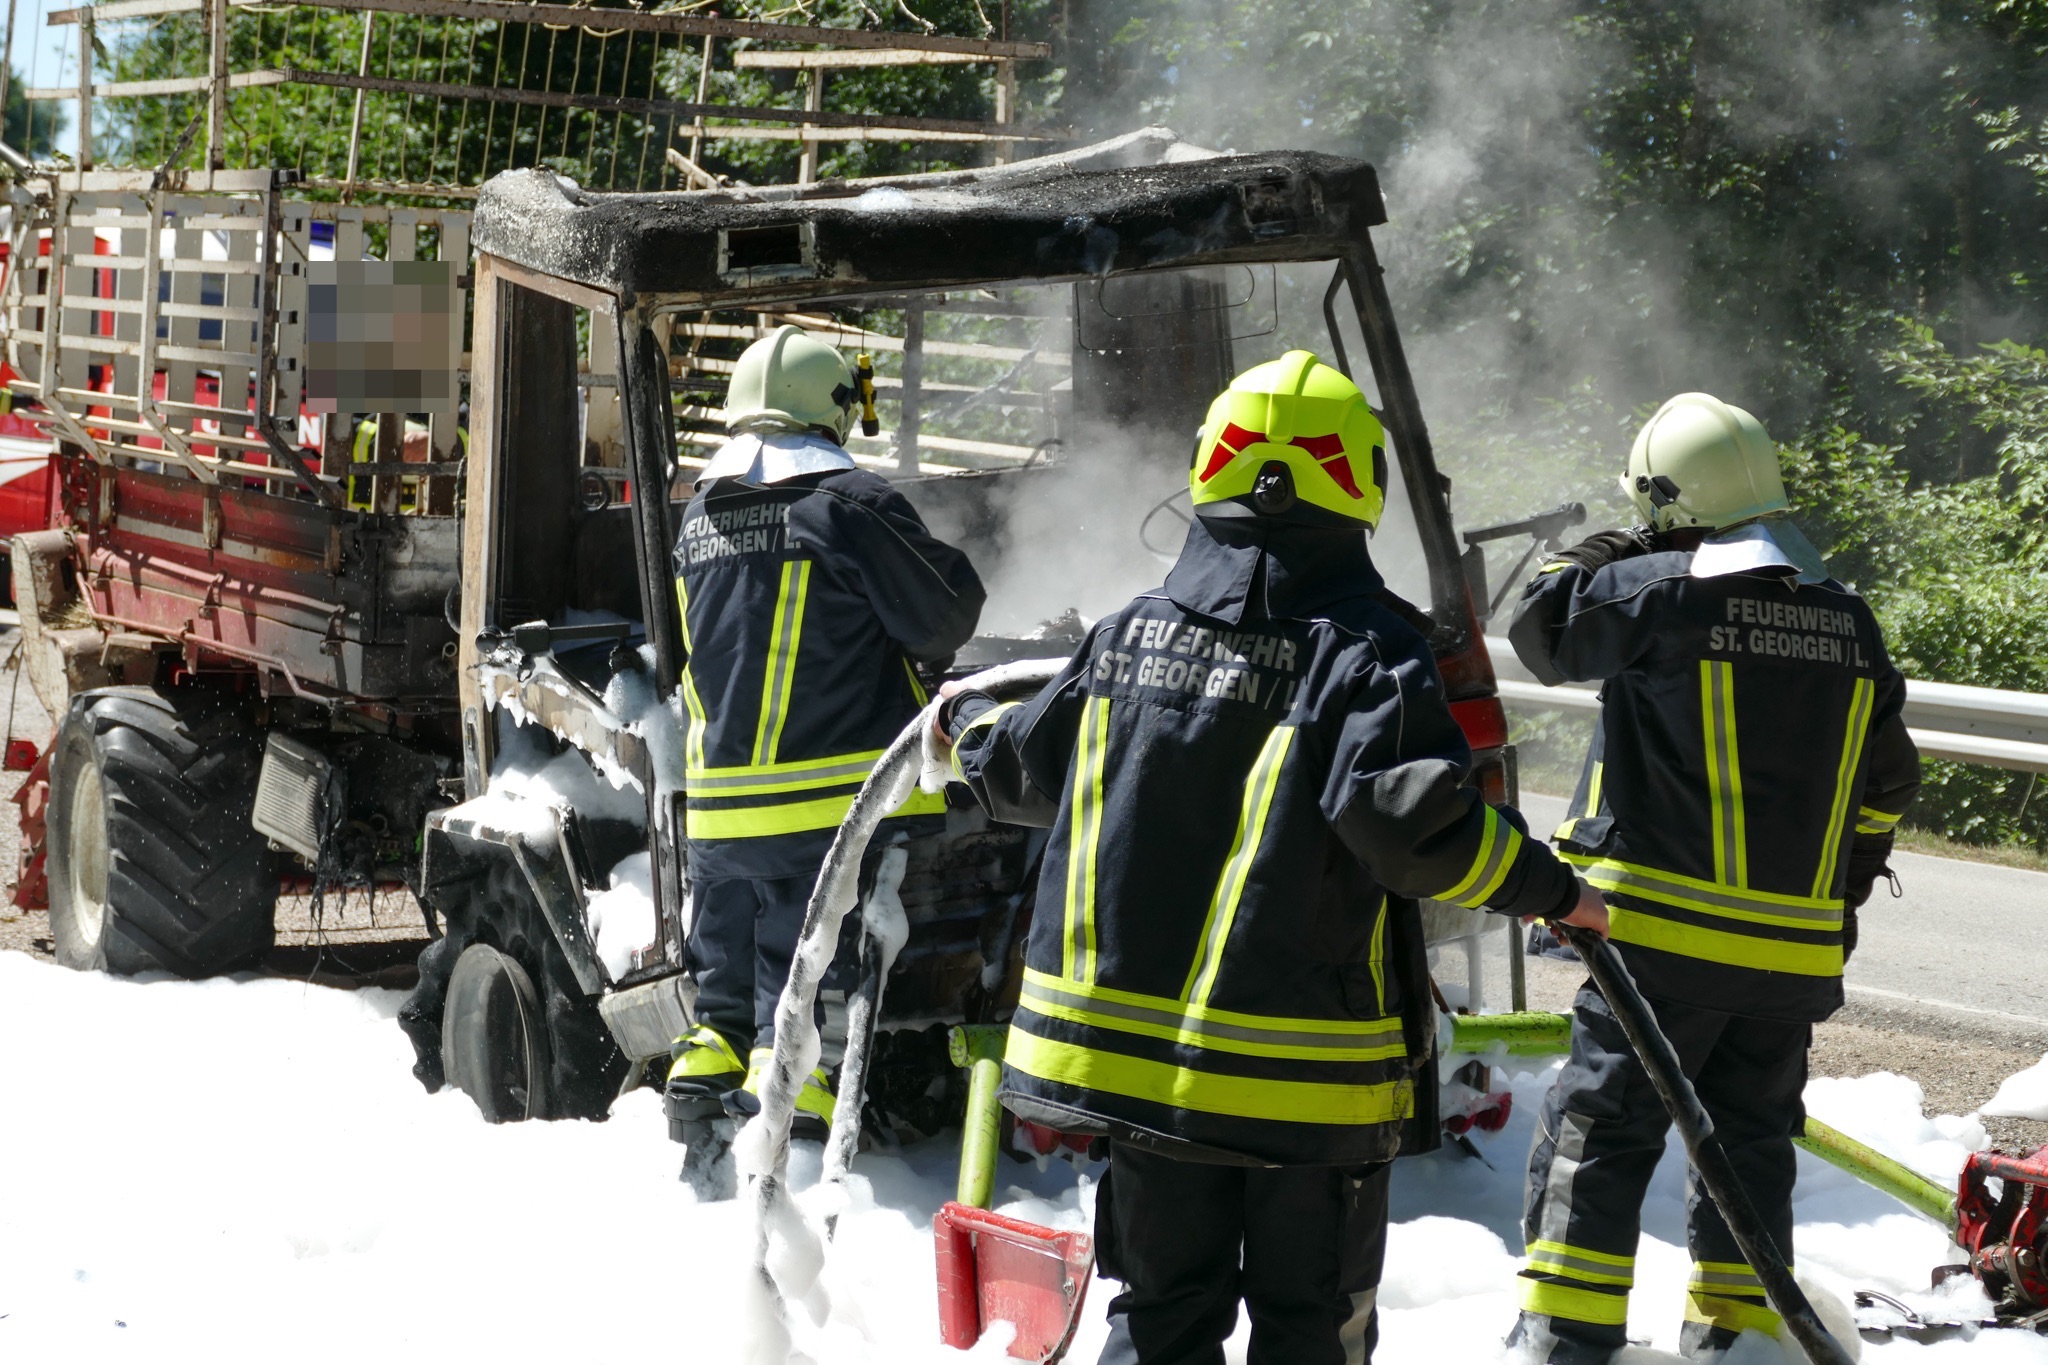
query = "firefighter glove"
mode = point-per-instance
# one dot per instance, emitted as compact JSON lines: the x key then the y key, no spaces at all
{"x":958,"y":710}
{"x":1605,"y":547}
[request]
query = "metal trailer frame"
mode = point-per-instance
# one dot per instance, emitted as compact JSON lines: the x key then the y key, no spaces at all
{"x":811,"y":124}
{"x":195,"y":520}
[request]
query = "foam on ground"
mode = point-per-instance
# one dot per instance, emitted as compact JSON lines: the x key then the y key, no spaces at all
{"x":2023,"y":1095}
{"x":245,"y":1170}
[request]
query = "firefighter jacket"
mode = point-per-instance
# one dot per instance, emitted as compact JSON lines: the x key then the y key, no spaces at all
{"x":1245,"y":774}
{"x":1747,"y":771}
{"x":804,"y":602}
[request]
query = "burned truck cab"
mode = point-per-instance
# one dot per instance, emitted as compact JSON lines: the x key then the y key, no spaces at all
{"x":1046,"y":337}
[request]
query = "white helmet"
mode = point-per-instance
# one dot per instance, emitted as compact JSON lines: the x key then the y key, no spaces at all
{"x":791,"y":381}
{"x":1702,"y":462}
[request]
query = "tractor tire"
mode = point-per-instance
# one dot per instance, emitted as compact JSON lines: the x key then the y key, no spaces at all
{"x":498,"y":1010}
{"x":494,"y":1040}
{"x":153,"y":865}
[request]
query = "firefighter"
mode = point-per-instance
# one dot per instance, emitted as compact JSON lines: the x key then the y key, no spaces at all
{"x":810,"y":590}
{"x":1248,"y":774}
{"x":415,"y":446}
{"x":1738,"y":802}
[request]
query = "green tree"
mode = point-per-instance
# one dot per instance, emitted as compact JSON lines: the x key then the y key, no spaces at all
{"x":31,"y":128}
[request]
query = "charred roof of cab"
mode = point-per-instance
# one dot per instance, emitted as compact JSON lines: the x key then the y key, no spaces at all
{"x":1143,"y":201}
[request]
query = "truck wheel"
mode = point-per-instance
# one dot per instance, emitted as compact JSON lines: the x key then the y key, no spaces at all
{"x":153,"y":864}
{"x":498,"y":1010}
{"x":493,"y":1038}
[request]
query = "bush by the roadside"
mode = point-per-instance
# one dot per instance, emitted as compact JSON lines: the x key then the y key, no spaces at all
{"x":1956,"y":571}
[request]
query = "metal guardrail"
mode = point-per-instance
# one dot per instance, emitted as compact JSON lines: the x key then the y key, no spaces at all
{"x":1966,"y":724}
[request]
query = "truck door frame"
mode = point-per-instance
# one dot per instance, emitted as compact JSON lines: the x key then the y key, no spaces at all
{"x":485,"y":557}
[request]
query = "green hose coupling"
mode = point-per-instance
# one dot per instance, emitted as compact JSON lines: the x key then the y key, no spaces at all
{"x":978,"y":1048}
{"x":971,"y":1043}
{"x":1532,"y":1033}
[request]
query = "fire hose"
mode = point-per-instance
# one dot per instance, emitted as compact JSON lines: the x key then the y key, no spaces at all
{"x":761,"y":1149}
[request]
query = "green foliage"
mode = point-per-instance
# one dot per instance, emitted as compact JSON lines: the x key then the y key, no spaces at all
{"x":939,"y":91}
{"x":1659,"y":195}
{"x":405,"y":138}
{"x":1550,"y":749}
{"x":30,"y":128}
{"x":2001,"y":391}
{"x":2029,"y":143}
{"x":1507,"y":452}
{"x":1957,"y":572}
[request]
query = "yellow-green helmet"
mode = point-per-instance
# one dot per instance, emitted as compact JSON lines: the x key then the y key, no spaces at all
{"x":791,"y":381}
{"x":1702,"y":462}
{"x":1288,"y":433}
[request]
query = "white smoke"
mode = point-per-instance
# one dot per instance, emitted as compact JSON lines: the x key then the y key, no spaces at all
{"x":1546,"y":296}
{"x":1070,"y":541}
{"x":1107,"y":518}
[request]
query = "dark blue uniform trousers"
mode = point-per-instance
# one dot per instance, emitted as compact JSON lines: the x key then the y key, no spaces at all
{"x":1302,"y":1246}
{"x":743,"y":933}
{"x":1601,"y":1135}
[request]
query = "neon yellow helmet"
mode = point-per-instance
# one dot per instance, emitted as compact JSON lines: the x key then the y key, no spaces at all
{"x":791,"y":381}
{"x":1702,"y":462}
{"x":1289,"y":432}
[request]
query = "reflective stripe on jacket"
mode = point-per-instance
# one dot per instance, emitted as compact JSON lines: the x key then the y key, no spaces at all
{"x":1749,"y":751}
{"x":804,"y":604}
{"x":1245,"y":774}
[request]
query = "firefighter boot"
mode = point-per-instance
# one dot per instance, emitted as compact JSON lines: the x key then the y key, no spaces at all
{"x":1704,"y":1342}
{"x":704,"y":1069}
{"x":814,"y":1103}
